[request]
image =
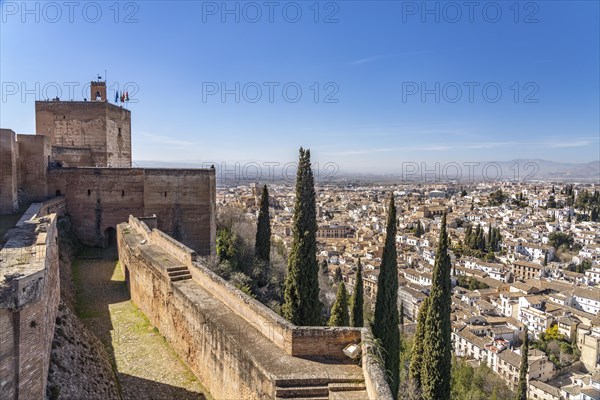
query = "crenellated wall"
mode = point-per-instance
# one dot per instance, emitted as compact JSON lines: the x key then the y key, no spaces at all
{"x":29,"y":296}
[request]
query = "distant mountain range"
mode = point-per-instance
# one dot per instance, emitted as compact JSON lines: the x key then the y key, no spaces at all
{"x":519,"y":169}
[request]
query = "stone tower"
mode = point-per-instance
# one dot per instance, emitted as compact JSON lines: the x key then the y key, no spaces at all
{"x":98,"y":91}
{"x":86,"y":133}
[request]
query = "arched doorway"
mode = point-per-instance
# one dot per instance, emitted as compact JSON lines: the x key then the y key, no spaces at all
{"x":110,"y":237}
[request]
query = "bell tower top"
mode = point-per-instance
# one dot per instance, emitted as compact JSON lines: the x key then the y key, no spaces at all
{"x":98,"y":90}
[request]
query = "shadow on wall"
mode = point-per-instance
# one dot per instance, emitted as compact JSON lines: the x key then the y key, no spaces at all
{"x":147,"y":389}
{"x":110,"y":237}
{"x":103,"y":304}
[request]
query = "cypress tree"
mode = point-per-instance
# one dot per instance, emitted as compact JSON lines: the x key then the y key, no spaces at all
{"x":301,"y":290}
{"x":497,"y":238}
{"x":468,"y":234}
{"x":522,"y":387}
{"x":262,"y":248}
{"x":480,"y":239}
{"x":338,"y":277}
{"x":437,"y":354}
{"x":419,"y":231}
{"x":401,"y":315}
{"x":339,"y":311}
{"x":324,"y":268}
{"x":416,"y":357}
{"x":386,"y":320}
{"x":358,"y":299}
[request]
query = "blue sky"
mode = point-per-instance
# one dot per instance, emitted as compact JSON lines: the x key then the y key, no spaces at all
{"x":370,"y":61}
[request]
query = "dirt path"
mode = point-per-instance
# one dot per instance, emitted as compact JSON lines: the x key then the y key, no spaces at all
{"x":147,"y":367}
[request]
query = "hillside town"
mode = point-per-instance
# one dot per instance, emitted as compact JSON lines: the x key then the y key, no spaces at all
{"x":525,"y":257}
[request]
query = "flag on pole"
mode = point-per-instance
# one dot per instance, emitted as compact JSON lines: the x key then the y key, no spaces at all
{"x":117,"y":96}
{"x":126,"y":96}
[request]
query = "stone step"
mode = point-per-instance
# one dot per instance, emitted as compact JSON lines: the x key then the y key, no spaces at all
{"x":173,"y":269}
{"x":284,"y":382}
{"x":177,"y":273}
{"x":294,"y":392}
{"x":302,"y":398}
{"x":181,"y":277}
{"x":346,"y":386}
{"x":352,"y":395}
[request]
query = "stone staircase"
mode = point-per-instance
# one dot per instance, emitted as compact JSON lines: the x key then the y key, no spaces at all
{"x":180,"y":273}
{"x":320,"y":389}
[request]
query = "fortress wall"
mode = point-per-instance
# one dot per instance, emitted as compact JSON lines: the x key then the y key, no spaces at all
{"x":294,"y":340}
{"x":8,"y":172}
{"x":274,"y":327}
{"x":34,"y":153}
{"x":57,"y":206}
{"x":184,"y":201}
{"x":118,"y":137}
{"x":374,"y":373}
{"x":71,"y":156}
{"x":176,"y":249}
{"x":80,"y":124}
{"x":212,"y":351}
{"x":187,"y":211}
{"x":98,"y":198}
{"x":29,"y":296}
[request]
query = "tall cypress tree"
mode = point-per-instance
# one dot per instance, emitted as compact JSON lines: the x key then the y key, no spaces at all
{"x":262,"y":248}
{"x":522,"y":387}
{"x":301,"y":292}
{"x":385,"y":323}
{"x":416,"y":358}
{"x":437,"y":354}
{"x":401,"y":317}
{"x":339,"y":311}
{"x":358,"y":299}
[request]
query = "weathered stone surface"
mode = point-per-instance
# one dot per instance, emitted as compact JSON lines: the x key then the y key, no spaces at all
{"x":79,"y":365}
{"x":102,"y":127}
{"x":228,"y":340}
{"x":8,"y":172}
{"x":34,"y":152}
{"x":98,"y":199}
{"x":29,"y":295}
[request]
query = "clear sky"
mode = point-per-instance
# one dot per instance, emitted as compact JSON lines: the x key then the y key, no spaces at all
{"x":382,"y":81}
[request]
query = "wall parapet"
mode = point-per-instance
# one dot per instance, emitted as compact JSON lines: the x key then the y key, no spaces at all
{"x":304,"y":342}
{"x":375,"y":376}
{"x":299,"y":341}
{"x":29,"y":296}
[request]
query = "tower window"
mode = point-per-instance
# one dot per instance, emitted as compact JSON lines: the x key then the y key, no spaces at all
{"x":89,"y":192}
{"x":122,"y":193}
{"x":119,"y":131}
{"x":165,"y":194}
